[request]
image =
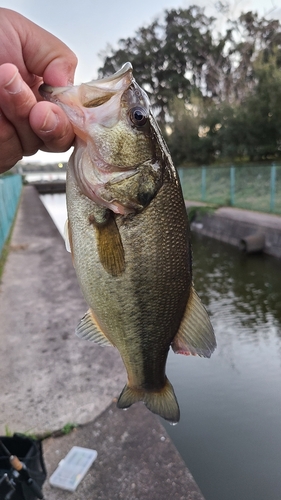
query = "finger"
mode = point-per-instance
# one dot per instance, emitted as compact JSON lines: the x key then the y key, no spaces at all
{"x":52,"y":126}
{"x":44,"y":54}
{"x":16,"y":101}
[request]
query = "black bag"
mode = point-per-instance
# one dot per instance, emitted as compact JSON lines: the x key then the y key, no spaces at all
{"x":30,"y":453}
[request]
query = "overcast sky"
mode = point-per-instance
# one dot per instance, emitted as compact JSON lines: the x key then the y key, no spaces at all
{"x":87,"y":26}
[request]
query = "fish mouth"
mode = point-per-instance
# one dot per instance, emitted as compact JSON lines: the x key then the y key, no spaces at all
{"x":126,"y":68}
{"x":94,"y":107}
{"x":49,"y":92}
{"x":46,"y":90}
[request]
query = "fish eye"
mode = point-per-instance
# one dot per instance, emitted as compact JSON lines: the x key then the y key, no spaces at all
{"x":138,"y":116}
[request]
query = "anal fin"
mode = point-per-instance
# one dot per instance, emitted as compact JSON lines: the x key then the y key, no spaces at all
{"x":89,"y":329}
{"x":195,"y":335}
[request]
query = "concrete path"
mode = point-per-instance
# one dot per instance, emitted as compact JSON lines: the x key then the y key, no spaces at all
{"x":136,"y":460}
{"x":259,"y":218}
{"x":49,"y":377}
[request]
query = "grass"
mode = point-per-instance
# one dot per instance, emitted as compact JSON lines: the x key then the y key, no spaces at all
{"x":4,"y":253}
{"x":8,"y":432}
{"x":197,"y":212}
{"x":64,"y":431}
{"x":67,"y":428}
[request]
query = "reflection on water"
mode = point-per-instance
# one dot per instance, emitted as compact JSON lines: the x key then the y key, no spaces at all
{"x":230,"y":428}
{"x":45,"y":176}
{"x":56,"y":206}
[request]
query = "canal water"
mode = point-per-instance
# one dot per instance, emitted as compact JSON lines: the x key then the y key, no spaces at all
{"x":230,"y":429}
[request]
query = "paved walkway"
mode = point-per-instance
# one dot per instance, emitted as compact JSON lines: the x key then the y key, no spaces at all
{"x":49,"y":377}
{"x":136,"y":460}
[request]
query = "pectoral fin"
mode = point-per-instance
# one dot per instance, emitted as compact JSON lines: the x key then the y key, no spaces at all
{"x":110,"y":247}
{"x":68,"y":239}
{"x":67,"y":236}
{"x":195,"y":335}
{"x":89,"y":329}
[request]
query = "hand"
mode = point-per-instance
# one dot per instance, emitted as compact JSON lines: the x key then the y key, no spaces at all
{"x":30,"y":55}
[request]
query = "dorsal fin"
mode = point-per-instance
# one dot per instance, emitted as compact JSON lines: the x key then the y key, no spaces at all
{"x":89,"y":329}
{"x":195,"y":335}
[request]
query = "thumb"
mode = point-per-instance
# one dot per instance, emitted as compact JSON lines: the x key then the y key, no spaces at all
{"x":44,"y":54}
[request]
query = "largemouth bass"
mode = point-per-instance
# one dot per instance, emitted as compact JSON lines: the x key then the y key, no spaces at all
{"x":129,"y":237}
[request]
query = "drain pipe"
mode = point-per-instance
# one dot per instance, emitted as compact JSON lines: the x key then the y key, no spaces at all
{"x":253,"y":243}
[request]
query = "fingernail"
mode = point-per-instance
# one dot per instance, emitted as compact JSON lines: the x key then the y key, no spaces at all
{"x":50,"y":122}
{"x":14,"y":86}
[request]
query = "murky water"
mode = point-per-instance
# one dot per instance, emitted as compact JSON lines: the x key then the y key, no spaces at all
{"x":230,"y":428}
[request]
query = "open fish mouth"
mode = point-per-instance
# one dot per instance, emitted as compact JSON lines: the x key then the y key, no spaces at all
{"x":108,"y":85}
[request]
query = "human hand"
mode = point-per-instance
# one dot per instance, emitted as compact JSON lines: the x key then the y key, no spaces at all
{"x":30,"y":55}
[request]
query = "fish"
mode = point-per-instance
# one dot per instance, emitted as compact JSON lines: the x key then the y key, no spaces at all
{"x":129,"y":237}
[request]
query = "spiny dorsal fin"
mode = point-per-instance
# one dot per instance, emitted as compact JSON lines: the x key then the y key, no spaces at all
{"x":110,"y":247}
{"x":195,"y":335}
{"x":88,"y":329}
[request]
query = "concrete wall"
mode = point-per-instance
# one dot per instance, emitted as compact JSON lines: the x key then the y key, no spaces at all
{"x":232,"y":225}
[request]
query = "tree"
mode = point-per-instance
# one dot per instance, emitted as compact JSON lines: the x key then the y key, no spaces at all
{"x":172,"y":58}
{"x":252,"y":38}
{"x":219,"y":93}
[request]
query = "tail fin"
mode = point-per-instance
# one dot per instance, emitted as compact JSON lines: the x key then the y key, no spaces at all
{"x":163,"y":402}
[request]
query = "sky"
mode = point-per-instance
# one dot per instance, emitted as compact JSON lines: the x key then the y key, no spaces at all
{"x":88,"y":26}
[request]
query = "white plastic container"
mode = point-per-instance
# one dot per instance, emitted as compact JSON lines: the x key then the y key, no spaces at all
{"x":73,"y":468}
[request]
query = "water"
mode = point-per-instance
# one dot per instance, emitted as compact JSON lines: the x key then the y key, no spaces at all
{"x":45,"y":176}
{"x":230,"y":429}
{"x":56,"y":206}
